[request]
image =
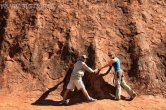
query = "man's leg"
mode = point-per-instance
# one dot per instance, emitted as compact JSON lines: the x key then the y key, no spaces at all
{"x":65,"y":94}
{"x":65,"y":100}
{"x":70,"y":87}
{"x":118,"y":86}
{"x":128,"y":89}
{"x":85,"y":93}
{"x":80,"y":86}
{"x":118,"y":92}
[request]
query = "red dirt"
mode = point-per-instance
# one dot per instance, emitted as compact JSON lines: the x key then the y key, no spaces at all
{"x":144,"y":102}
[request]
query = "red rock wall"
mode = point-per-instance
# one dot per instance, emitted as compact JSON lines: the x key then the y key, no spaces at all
{"x":38,"y":46}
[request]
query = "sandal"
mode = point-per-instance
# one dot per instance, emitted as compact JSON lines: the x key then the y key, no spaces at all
{"x":65,"y":102}
{"x":91,"y":99}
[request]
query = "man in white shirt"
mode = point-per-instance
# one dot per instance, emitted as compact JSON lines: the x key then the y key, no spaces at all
{"x":76,"y":79}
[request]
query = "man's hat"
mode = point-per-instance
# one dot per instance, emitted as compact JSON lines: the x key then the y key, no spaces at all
{"x":84,"y":56}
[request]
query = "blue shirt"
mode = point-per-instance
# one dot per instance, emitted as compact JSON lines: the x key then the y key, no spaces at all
{"x":116,"y":65}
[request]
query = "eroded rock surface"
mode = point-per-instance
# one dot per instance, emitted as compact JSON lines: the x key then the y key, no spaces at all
{"x":39,"y":46}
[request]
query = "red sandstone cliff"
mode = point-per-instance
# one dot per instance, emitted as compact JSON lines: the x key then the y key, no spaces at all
{"x":38,"y":46}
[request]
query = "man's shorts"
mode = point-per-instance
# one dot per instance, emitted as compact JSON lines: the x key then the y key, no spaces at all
{"x":75,"y":83}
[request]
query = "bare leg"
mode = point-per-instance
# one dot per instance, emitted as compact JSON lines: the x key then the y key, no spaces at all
{"x":85,"y":93}
{"x":66,"y":93}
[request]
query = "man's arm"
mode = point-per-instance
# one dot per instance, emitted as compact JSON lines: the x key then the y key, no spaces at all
{"x":108,"y":71}
{"x":108,"y":64}
{"x":87,"y":68}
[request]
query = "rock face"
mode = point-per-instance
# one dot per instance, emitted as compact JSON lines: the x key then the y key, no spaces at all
{"x":39,"y":44}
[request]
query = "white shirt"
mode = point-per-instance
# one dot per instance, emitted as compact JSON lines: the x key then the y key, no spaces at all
{"x":78,"y":71}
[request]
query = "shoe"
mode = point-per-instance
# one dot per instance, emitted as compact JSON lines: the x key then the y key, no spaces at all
{"x":117,"y":99}
{"x":133,"y":96}
{"x":65,"y":102}
{"x":91,"y":100}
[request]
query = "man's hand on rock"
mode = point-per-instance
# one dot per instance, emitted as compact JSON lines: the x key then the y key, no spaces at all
{"x":96,"y":71}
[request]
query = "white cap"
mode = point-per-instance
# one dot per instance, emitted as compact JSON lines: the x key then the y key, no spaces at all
{"x":84,"y":56}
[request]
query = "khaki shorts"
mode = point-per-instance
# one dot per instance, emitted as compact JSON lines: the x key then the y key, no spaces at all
{"x":75,"y":83}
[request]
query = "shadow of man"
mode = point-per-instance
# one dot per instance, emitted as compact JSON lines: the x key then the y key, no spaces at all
{"x":46,"y":102}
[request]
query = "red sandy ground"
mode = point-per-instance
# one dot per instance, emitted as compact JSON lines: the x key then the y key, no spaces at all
{"x":143,"y":102}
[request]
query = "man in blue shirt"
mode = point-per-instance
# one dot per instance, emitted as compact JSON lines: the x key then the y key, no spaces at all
{"x":118,"y":77}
